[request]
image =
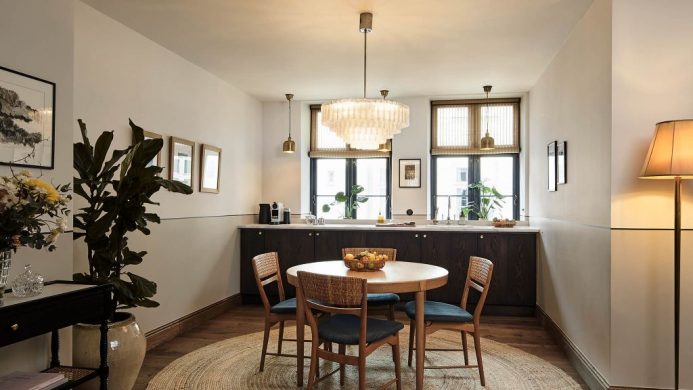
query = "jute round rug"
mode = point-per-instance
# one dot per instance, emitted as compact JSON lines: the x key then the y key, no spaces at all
{"x":234,"y":363}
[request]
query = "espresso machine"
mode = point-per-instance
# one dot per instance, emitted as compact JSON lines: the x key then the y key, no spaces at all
{"x":277,"y":213}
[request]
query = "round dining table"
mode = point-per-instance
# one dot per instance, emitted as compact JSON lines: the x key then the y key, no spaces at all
{"x":395,"y":277}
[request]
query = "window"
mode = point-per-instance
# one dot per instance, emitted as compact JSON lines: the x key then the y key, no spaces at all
{"x":457,"y":160}
{"x":336,"y":167}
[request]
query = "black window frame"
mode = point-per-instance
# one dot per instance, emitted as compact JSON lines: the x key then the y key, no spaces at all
{"x":474,"y":176}
{"x":351,"y":179}
{"x":474,"y":169}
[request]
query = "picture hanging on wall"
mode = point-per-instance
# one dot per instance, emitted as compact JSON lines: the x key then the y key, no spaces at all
{"x":181,"y":160}
{"x":210,"y":170}
{"x":551,"y":152}
{"x":562,"y":155}
{"x":410,"y":173}
{"x":27,"y":120}
{"x":157,"y":159}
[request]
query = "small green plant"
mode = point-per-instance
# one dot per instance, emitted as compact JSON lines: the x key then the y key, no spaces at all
{"x":352,"y":202}
{"x":490,"y":200}
{"x":464,"y":211}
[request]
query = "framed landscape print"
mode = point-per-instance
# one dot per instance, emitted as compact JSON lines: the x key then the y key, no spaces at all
{"x":410,"y":173}
{"x":210,"y":168}
{"x":551,"y":152}
{"x":561,"y":162}
{"x":181,"y":160}
{"x":27,"y":120}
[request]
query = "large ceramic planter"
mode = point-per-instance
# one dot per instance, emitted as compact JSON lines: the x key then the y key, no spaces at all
{"x":126,"y":349}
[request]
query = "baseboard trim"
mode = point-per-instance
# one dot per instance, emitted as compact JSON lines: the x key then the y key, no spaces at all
{"x":175,"y":328}
{"x":592,"y":377}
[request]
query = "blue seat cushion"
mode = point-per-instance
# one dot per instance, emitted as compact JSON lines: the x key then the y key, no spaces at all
{"x":440,"y":312}
{"x":345,"y":329}
{"x":382,"y":299}
{"x":284,"y":307}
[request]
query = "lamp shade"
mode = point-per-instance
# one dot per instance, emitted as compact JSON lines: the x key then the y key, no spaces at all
{"x":671,"y":151}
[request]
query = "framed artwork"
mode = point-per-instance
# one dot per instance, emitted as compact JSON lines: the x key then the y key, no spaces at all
{"x":156,"y":160}
{"x":210,"y":171}
{"x":561,"y":161}
{"x":27,"y":120}
{"x":410,"y":173}
{"x":551,"y":152}
{"x":181,"y":160}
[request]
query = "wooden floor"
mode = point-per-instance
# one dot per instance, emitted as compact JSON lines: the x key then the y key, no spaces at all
{"x":519,"y":332}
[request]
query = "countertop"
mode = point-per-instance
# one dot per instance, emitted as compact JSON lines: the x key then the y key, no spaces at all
{"x":420,"y":228}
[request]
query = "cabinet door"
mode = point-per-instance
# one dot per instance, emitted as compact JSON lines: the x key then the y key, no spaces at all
{"x":294,"y":247}
{"x":252,"y":244}
{"x":450,"y":250}
{"x":407,"y":243}
{"x":329,"y":243}
{"x":514,"y":272}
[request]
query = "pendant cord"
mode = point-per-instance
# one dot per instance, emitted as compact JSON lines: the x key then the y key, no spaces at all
{"x":365,"y":56}
{"x":289,"y":118}
{"x":487,"y":119}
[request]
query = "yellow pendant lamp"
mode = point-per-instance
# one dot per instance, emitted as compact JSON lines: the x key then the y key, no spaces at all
{"x":487,"y":142}
{"x":289,"y":145}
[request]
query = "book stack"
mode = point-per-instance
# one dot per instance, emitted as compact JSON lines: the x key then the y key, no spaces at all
{"x":31,"y":381}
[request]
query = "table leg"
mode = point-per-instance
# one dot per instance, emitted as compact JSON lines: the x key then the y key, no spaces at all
{"x":103,"y":365}
{"x":420,"y":339}
{"x":300,"y":328}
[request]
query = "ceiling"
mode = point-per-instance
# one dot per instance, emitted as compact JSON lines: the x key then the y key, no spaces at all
{"x":312,"y":48}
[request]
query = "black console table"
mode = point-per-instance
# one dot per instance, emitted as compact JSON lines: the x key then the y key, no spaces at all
{"x":61,"y":304}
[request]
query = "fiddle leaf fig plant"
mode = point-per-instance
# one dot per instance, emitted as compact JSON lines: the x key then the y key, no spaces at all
{"x":118,"y":191}
{"x":490,"y":200}
{"x":351,"y":202}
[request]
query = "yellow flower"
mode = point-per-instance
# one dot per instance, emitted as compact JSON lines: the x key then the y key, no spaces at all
{"x":52,"y":195}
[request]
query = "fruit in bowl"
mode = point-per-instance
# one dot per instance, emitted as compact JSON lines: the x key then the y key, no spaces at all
{"x":365,"y":261}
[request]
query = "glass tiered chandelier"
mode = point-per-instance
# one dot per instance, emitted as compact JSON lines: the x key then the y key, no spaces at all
{"x":365,"y":123}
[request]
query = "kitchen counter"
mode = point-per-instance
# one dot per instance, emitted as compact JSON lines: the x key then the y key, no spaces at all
{"x":420,"y":228}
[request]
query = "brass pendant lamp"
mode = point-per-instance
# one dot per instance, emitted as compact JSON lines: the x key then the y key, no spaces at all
{"x":487,"y":142}
{"x":289,"y":145}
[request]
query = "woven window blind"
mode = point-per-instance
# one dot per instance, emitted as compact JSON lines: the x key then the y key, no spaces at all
{"x":458,"y":126}
{"x":325,"y":144}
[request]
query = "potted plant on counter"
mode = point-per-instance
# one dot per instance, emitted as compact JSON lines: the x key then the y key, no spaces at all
{"x":351,"y":202}
{"x":117,"y":192}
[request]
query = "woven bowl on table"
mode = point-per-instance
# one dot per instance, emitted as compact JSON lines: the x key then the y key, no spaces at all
{"x":368,"y":266}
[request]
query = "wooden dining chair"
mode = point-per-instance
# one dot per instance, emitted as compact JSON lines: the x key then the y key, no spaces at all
{"x":381,"y":300}
{"x":443,"y":316}
{"x":345,"y":300}
{"x":266,"y":269}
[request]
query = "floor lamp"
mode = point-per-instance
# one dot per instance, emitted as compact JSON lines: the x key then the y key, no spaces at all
{"x":671,"y":157}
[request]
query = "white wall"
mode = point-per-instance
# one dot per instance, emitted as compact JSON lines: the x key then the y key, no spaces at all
{"x":36,"y":39}
{"x":571,"y":102}
{"x":652,"y":82}
{"x":194,"y":253}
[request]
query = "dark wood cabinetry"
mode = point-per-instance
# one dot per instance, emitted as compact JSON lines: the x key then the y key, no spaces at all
{"x":513,"y":290}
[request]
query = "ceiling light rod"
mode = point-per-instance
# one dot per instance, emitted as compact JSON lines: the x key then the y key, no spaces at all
{"x":365,"y":26}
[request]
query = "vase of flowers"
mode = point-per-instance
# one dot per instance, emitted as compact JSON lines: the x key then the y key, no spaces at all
{"x":32,"y":214}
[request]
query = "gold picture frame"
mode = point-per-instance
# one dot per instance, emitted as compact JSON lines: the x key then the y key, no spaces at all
{"x":210,"y":169}
{"x":181,"y":165}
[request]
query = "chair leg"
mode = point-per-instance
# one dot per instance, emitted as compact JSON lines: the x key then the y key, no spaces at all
{"x":314,"y":360}
{"x":391,"y":313}
{"x":464,"y":347}
{"x":265,"y":340}
{"x":412,"y":331}
{"x":396,"y":358}
{"x":281,"y":336}
{"x":362,"y":368}
{"x":342,"y":351}
{"x":477,"y":347}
